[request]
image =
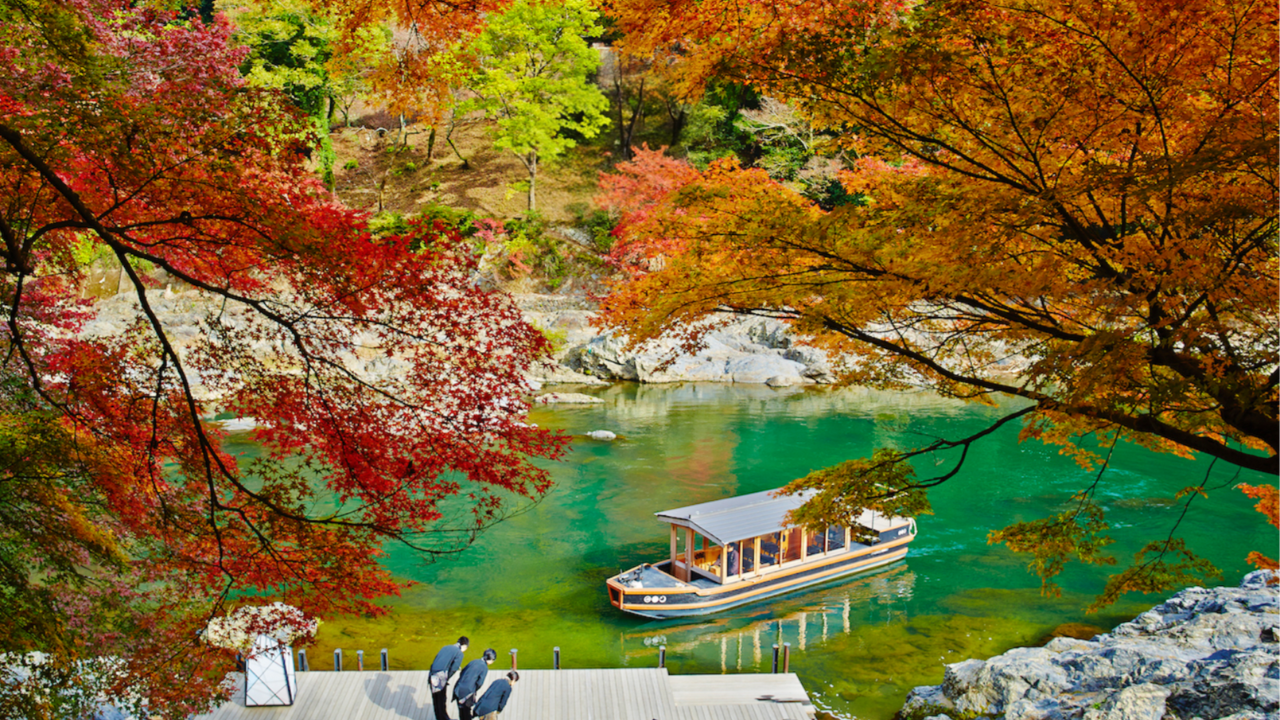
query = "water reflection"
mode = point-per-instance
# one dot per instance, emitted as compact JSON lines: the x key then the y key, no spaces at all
{"x":636,"y":408}
{"x":810,"y":616}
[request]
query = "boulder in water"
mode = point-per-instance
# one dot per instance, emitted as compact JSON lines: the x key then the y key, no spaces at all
{"x":567,"y":398}
{"x":1208,"y":653}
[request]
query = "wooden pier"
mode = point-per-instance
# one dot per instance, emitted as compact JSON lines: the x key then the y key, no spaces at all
{"x":610,"y":694}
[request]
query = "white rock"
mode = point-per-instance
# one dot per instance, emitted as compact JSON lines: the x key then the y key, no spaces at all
{"x":1136,"y":702}
{"x":1206,"y":653}
{"x":786,"y":380}
{"x":750,"y":350}
{"x":760,"y":368}
{"x":554,"y":373}
{"x":239,"y":424}
{"x":604,"y":435}
{"x":567,"y":398}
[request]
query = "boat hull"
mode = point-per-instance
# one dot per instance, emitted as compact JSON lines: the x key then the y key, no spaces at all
{"x":685,"y":600}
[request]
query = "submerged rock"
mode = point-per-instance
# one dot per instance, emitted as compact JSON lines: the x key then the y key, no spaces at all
{"x":1079,"y":631}
{"x":1204,"y":653}
{"x":567,"y":398}
{"x":602,"y":435}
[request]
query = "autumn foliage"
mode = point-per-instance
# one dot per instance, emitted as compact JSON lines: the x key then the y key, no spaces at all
{"x":1070,"y":203}
{"x":126,"y":133}
{"x":418,"y":75}
{"x":1268,"y":498}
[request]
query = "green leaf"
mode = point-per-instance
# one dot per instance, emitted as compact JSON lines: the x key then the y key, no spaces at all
{"x":884,"y":483}
{"x":1052,"y":542}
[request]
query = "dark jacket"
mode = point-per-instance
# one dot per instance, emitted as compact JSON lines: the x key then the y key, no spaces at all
{"x":448,"y":660}
{"x":471,"y":679}
{"x":495,"y":698}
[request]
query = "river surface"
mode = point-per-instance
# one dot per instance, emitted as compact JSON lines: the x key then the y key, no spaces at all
{"x":536,"y":580}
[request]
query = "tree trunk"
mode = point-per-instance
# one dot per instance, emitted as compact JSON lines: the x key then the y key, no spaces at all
{"x":448,"y":137}
{"x":627,"y":130}
{"x":532,"y":164}
{"x":623,"y":140}
{"x":431,"y":144}
{"x":677,"y":121}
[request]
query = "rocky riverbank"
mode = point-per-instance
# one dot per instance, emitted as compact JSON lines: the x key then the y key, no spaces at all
{"x":748,"y":350}
{"x":1205,"y":653}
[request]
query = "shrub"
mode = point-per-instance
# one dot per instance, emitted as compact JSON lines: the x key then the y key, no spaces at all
{"x":598,"y":223}
{"x":388,"y":223}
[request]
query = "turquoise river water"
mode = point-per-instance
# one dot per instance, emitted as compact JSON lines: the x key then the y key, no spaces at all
{"x":536,"y":580}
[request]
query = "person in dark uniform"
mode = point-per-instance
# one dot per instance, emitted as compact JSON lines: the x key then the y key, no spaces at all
{"x":495,"y":698}
{"x":733,"y":568}
{"x":447,"y":662}
{"x":467,"y":690}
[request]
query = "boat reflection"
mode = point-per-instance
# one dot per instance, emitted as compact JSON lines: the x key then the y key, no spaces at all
{"x":744,"y":640}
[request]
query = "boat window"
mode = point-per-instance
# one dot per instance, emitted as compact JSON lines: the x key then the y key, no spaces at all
{"x":708,"y":557}
{"x":793,"y":538}
{"x":734,"y":552}
{"x":835,"y":538}
{"x":817,"y":543}
{"x":748,"y":552}
{"x":770,"y":549}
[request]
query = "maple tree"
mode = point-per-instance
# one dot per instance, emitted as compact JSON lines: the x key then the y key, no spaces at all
{"x":349,"y":72}
{"x":420,"y":69}
{"x":533,"y":77}
{"x":1071,"y":203}
{"x":1268,"y":498}
{"x":385,"y":387}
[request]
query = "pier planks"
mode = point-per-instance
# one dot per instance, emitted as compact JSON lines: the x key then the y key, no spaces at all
{"x":571,"y":694}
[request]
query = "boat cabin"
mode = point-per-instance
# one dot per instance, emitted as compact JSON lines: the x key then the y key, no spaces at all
{"x":750,"y":530}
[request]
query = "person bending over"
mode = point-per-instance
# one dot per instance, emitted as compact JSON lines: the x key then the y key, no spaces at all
{"x":447,"y":662}
{"x":495,"y":698}
{"x":467,"y":690}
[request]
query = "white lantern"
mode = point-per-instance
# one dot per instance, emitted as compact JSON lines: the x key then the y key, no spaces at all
{"x":269,"y":677}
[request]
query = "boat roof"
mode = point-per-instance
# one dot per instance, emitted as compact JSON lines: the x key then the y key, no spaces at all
{"x":747,"y":516}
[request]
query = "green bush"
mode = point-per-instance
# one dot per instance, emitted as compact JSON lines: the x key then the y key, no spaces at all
{"x":713,"y":130}
{"x":557,"y":339}
{"x":453,"y":217}
{"x":783,"y":161}
{"x":388,"y":223}
{"x":599,"y":223}
{"x":829,"y":194}
{"x":87,"y":250}
{"x":529,"y":245}
{"x":405,"y":169}
{"x":351,"y":164}
{"x":326,"y":157}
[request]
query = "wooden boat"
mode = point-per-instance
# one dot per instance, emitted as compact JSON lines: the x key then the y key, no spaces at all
{"x":748,"y":553}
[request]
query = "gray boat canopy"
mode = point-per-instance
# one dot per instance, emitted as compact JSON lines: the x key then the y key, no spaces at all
{"x":747,"y":516}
